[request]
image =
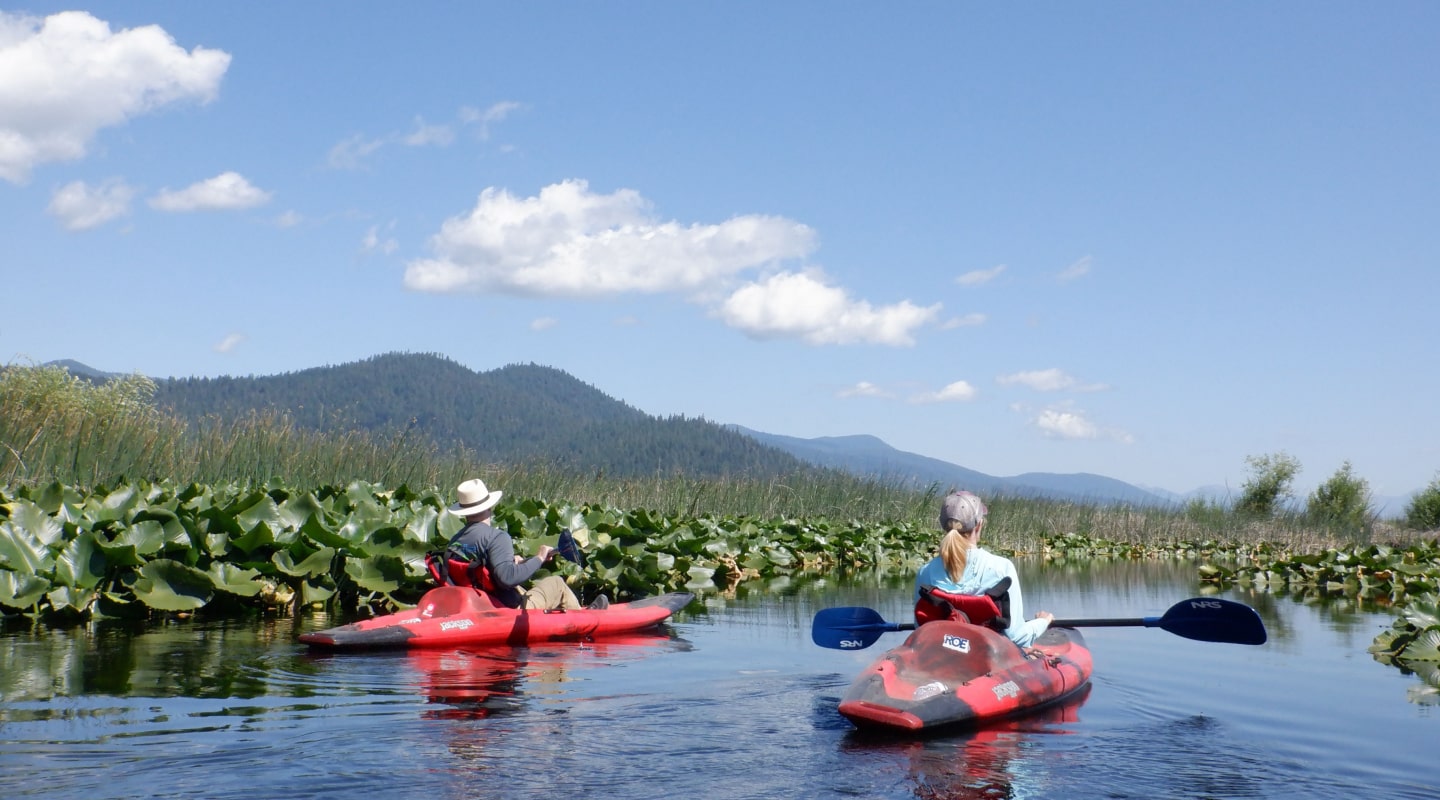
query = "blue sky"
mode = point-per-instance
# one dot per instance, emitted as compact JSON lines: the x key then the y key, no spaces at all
{"x":1139,"y":240}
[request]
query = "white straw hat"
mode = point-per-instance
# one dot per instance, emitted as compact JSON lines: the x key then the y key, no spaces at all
{"x":473,"y":498}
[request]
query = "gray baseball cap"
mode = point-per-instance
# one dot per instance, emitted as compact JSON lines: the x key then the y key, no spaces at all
{"x":963,"y":507}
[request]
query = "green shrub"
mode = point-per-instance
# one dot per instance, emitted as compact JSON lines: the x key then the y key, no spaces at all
{"x":1343,"y":501}
{"x":1423,"y":513}
{"x":1268,"y":485}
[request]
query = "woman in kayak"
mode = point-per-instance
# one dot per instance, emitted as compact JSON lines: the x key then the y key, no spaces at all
{"x":964,"y":567}
{"x":491,"y":546}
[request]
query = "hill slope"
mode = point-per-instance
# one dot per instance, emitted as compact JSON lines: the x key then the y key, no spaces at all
{"x":517,"y":413}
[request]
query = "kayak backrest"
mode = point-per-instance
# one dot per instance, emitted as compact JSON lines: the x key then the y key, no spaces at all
{"x":448,"y":571}
{"x":977,"y":609}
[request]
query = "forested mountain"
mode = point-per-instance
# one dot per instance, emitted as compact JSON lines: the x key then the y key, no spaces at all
{"x":517,"y":413}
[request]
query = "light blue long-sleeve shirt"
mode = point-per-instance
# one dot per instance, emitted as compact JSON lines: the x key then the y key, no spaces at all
{"x":984,"y":569}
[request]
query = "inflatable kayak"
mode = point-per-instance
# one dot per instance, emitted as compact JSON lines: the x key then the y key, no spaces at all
{"x":951,"y":673}
{"x":450,"y":616}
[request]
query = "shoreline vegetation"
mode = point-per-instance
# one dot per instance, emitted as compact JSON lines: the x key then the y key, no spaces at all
{"x":109,"y":506}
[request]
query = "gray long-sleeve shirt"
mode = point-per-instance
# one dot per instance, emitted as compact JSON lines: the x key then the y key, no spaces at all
{"x":493,"y":546}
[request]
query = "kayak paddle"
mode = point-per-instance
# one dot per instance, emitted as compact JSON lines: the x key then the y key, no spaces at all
{"x":851,"y":627}
{"x":1205,"y":619}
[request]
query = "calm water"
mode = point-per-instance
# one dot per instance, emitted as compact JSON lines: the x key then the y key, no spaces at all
{"x":733,"y":701}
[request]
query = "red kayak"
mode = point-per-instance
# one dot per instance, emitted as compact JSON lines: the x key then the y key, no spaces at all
{"x":452,"y":616}
{"x":950,"y":673}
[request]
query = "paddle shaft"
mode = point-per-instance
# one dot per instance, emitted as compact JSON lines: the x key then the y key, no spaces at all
{"x":1199,"y":618}
{"x":1148,"y":622}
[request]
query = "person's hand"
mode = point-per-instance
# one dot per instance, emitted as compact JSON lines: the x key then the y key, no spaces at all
{"x":1044,"y":615}
{"x":546,"y":553}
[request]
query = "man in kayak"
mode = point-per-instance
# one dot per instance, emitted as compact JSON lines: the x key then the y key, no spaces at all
{"x":481,"y":541}
{"x":964,"y":567}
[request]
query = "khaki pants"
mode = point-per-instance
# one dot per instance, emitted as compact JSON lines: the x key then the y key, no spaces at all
{"x":550,"y":592}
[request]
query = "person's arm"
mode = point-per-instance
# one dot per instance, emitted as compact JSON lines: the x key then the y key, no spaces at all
{"x":504,"y":569}
{"x":1023,"y":631}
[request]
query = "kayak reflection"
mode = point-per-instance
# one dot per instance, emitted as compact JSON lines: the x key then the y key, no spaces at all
{"x":482,"y":682}
{"x":989,"y":763}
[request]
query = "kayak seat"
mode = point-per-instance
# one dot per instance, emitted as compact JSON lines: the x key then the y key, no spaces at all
{"x":977,"y":609}
{"x":447,"y":570}
{"x":454,"y":601}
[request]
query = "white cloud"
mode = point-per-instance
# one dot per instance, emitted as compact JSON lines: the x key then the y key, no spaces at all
{"x":957,"y":392}
{"x":372,"y":241}
{"x":1079,"y":269}
{"x":964,"y":321}
{"x":80,"y":206}
{"x":570,"y":241}
{"x":863,"y":389}
{"x":1066,"y":423}
{"x":224,"y":192}
{"x":483,"y":119}
{"x":289,"y":219}
{"x":67,"y":76}
{"x":1048,"y":380}
{"x":801,"y":305}
{"x":351,"y":153}
{"x":980,"y":276}
{"x":423,"y":135}
{"x":230,"y":342}
{"x":543,"y":323}
{"x":1042,"y":380}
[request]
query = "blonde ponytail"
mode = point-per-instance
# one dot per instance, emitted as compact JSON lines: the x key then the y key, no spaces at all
{"x":954,"y":552}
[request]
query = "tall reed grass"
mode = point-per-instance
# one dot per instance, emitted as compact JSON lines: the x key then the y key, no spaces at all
{"x":55,"y":427}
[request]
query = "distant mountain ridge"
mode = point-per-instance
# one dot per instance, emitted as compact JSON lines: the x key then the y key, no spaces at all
{"x":868,"y":455}
{"x":528,"y":413}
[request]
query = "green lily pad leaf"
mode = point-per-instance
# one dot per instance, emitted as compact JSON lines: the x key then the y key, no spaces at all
{"x":388,"y":540}
{"x":120,"y":555}
{"x":235,"y":580}
{"x":378,"y":574}
{"x":318,"y":532}
{"x":260,"y":535}
{"x":65,"y":598}
{"x":115,"y":506}
{"x":22,"y":550}
{"x":419,"y":528}
{"x":296,"y":511}
{"x":45,"y":528}
{"x":147,"y":537}
{"x":1426,"y":647}
{"x":317,"y":590}
{"x":255,"y":508}
{"x":317,"y":563}
{"x":55,"y":496}
{"x":81,"y":564}
{"x":167,"y":585}
{"x":21,"y":591}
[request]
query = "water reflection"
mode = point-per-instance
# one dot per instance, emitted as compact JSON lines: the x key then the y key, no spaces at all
{"x":479,"y":683}
{"x":997,"y":761}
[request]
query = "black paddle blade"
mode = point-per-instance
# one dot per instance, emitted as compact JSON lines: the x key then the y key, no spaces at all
{"x":567,"y":549}
{"x":850,"y":628}
{"x":1210,"y":619}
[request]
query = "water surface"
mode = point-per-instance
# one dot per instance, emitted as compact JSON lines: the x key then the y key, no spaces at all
{"x":731,"y":700}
